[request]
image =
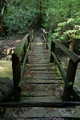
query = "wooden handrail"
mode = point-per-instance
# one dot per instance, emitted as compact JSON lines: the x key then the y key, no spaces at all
{"x":19,"y":59}
{"x":71,"y":70}
{"x":21,"y":48}
{"x":69,"y":53}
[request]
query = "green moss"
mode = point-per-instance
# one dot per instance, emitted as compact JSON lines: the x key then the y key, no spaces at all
{"x":58,"y":72}
{"x":6,"y":69}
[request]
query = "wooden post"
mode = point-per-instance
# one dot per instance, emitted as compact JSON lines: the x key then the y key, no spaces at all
{"x":68,"y":89}
{"x":46,"y":40}
{"x":28,"y":41}
{"x":18,"y":58}
{"x":32,"y":35}
{"x":52,"y":50}
{"x":16,"y":65}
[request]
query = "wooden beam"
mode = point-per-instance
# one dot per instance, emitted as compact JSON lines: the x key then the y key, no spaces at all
{"x":63,"y":73}
{"x":39,"y":104}
{"x":6,"y":97}
{"x":16,"y":65}
{"x":71,"y":72}
{"x":69,"y":53}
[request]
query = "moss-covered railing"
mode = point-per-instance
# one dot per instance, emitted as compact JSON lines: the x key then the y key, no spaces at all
{"x":68,"y":76}
{"x":19,"y":59}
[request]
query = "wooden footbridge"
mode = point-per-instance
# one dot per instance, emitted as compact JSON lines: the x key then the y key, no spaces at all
{"x":38,"y":77}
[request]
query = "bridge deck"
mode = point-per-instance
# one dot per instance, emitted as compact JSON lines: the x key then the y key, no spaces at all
{"x":41,"y":78}
{"x":42,"y":88}
{"x":43,"y":85}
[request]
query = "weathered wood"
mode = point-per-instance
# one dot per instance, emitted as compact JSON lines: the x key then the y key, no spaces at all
{"x":70,"y":76}
{"x":6,"y":97}
{"x":17,"y":75}
{"x":19,"y":56}
{"x":46,"y":78}
{"x":63,"y":73}
{"x":71,"y":71}
{"x":21,"y":48}
{"x":16,"y":65}
{"x":75,"y":95}
{"x":49,"y":47}
{"x":42,"y":69}
{"x":52,"y":50}
{"x":43,"y":82}
{"x":24,"y":62}
{"x":69,"y":53}
{"x":45,"y":37}
{"x":39,"y":104}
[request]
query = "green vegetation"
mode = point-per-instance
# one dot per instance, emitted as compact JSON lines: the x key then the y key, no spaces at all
{"x":21,"y":15}
{"x":6,"y":69}
{"x":60,"y":18}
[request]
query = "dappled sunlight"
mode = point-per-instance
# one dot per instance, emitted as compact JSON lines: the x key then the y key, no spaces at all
{"x":18,"y":40}
{"x":39,"y":43}
{"x":6,"y":69}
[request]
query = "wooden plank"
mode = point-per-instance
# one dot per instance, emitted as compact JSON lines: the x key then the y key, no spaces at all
{"x":41,"y":99}
{"x":44,"y":72}
{"x":42,"y":69}
{"x":63,"y":73}
{"x":7,"y":95}
{"x":69,"y":53}
{"x":45,"y":78}
{"x":23,"y":65}
{"x":52,"y":50}
{"x":42,"y":65}
{"x":19,"y":55}
{"x":6,"y":81}
{"x":44,"y":82}
{"x":16,"y":65}
{"x":39,"y":104}
{"x":71,"y":72}
{"x":76,"y":96}
{"x":53,"y":118}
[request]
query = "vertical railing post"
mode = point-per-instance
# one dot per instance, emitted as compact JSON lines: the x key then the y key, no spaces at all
{"x":16,"y":65}
{"x":71,"y":72}
{"x":52,"y":50}
{"x":28,"y":39}
{"x":32,"y":36}
{"x":46,"y":40}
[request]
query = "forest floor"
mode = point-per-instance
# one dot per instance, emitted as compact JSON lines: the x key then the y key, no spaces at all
{"x":36,"y":112}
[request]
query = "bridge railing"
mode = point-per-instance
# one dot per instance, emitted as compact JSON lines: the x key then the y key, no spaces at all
{"x":19,"y":59}
{"x":68,"y":76}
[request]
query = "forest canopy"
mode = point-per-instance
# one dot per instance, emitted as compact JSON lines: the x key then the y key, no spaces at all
{"x":60,"y":18}
{"x":21,"y":15}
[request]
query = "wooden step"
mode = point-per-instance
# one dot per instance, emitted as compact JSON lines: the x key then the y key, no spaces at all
{"x":41,"y":65}
{"x":44,"y":78}
{"x":44,"y":82}
{"x":42,"y":69}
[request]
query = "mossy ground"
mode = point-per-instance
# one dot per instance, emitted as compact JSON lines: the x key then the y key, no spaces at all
{"x":5,"y":69}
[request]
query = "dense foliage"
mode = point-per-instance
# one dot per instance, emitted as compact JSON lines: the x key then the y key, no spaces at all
{"x":60,"y":18}
{"x":21,"y":15}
